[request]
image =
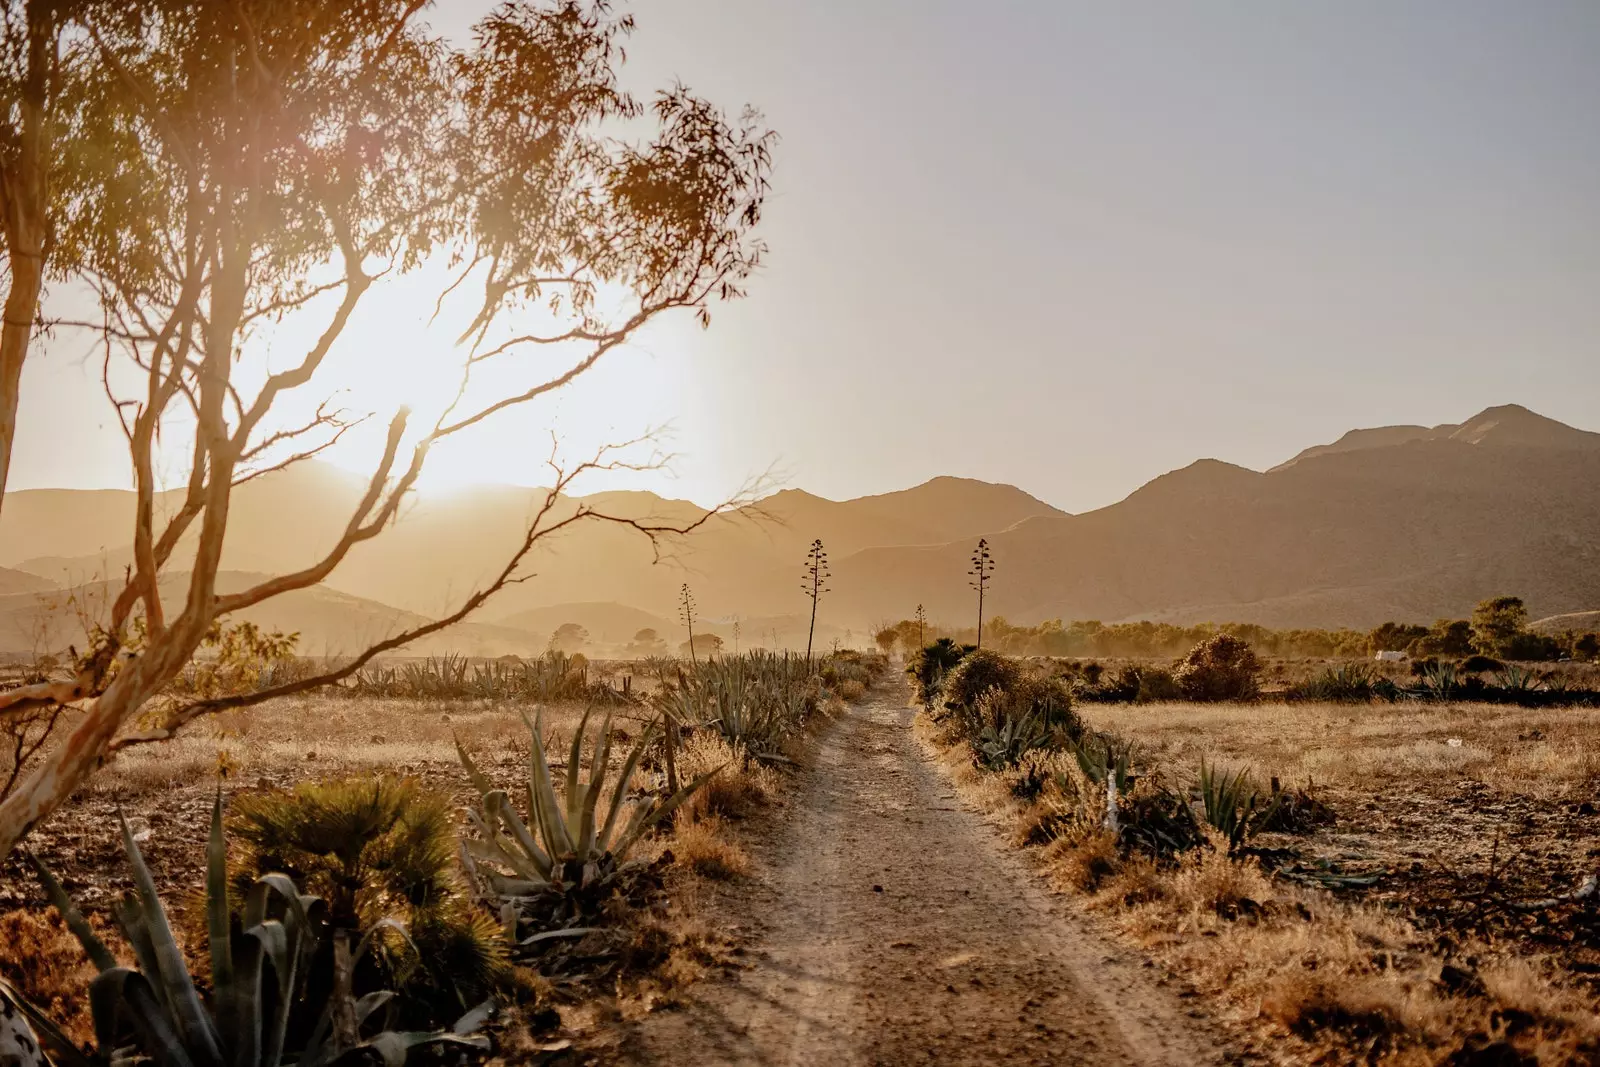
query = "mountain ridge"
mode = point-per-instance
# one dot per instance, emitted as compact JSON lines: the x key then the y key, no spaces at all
{"x":1387,"y":522}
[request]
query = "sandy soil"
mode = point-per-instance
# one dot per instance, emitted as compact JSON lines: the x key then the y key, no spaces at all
{"x":891,"y":926}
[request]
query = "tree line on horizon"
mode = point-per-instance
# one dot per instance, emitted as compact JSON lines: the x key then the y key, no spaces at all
{"x":1498,"y":627}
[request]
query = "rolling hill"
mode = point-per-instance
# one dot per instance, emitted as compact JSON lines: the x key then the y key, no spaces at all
{"x":1383,"y":525}
{"x":1404,"y":522}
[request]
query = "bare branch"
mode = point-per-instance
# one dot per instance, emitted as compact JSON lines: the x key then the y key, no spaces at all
{"x":537,"y":531}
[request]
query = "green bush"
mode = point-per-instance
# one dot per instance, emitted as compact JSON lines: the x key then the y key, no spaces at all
{"x":379,"y":850}
{"x":1221,"y":668}
{"x":243,"y":1013}
{"x":929,"y":666}
{"x":976,"y":674}
{"x":1478,"y":664}
{"x":1009,"y":722}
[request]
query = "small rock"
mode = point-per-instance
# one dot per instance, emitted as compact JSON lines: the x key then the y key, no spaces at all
{"x":877,"y":889}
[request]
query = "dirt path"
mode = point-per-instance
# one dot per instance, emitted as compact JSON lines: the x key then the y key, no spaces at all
{"x":893,"y":927}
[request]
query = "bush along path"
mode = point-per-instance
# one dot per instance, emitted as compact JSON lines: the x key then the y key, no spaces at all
{"x":892,"y":926}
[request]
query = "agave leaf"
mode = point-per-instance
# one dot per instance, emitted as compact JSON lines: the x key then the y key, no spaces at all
{"x":574,"y":796}
{"x":63,"y":1053}
{"x":371,"y":1003}
{"x":620,"y":793}
{"x":649,"y":815}
{"x":597,"y":781}
{"x":110,"y":991}
{"x":98,"y":954}
{"x":480,"y":781}
{"x":193,"y":1021}
{"x":244,"y":992}
{"x":475,"y":1019}
{"x":131,"y":920}
{"x":540,"y":863}
{"x":546,"y":811}
{"x":217,"y":931}
{"x":368,"y":938}
{"x":393,"y":1046}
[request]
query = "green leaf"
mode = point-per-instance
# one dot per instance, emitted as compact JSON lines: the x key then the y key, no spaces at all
{"x":98,"y":954}
{"x":195,"y":1024}
{"x":620,"y":793}
{"x":217,"y":926}
{"x":119,"y":988}
{"x":546,"y":811}
{"x":591,"y":794}
{"x":574,"y":796}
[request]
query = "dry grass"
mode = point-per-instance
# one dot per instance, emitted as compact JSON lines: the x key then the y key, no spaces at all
{"x":704,"y":848}
{"x":47,"y":965}
{"x":1318,"y":978}
{"x":738,"y":788}
{"x":1550,"y":753}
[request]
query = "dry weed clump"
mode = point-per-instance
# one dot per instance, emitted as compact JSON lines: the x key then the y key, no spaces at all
{"x":739,"y":785}
{"x":705,"y":849}
{"x":47,"y":965}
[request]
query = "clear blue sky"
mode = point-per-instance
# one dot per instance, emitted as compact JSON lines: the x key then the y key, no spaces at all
{"x":1072,"y":246}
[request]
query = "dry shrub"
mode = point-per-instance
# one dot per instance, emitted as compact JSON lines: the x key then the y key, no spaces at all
{"x":739,"y":787}
{"x":1210,"y":882}
{"x":1137,"y":881}
{"x":1034,"y":824}
{"x":1084,"y":861}
{"x":1358,"y":1006}
{"x":851,"y":690}
{"x":703,"y":847}
{"x":47,"y":965}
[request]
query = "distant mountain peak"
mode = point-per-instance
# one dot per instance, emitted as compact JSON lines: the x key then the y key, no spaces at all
{"x":1508,"y":425}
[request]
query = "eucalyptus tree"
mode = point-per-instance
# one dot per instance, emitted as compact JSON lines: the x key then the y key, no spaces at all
{"x":259,"y":160}
{"x":42,"y":47}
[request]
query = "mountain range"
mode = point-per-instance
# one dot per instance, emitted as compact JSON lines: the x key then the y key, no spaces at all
{"x":1398,"y":522}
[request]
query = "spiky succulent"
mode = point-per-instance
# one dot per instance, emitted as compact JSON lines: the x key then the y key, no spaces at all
{"x":570,"y":842}
{"x":258,"y":976}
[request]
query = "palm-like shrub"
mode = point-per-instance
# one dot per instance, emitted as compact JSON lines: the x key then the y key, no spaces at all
{"x":259,"y":979}
{"x":929,"y":666}
{"x":1220,"y":668}
{"x":380,"y":851}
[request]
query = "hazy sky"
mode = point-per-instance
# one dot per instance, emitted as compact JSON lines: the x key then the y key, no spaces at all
{"x":1072,"y":246}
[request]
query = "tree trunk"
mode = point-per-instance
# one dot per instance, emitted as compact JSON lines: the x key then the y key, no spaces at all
{"x":21,"y":305}
{"x":24,"y":192}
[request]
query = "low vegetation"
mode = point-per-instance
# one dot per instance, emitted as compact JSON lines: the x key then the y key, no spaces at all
{"x":579,"y":890}
{"x":1498,"y":627}
{"x":1173,"y":818}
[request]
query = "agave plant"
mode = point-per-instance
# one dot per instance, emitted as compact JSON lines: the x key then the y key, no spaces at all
{"x":1100,"y":755}
{"x":1439,"y":680}
{"x":1515,"y":679}
{"x":1233,"y":804}
{"x":569,"y":843}
{"x":754,"y":701}
{"x":257,"y":978}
